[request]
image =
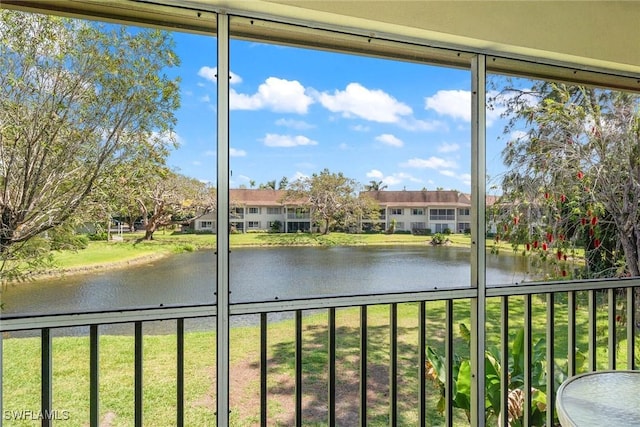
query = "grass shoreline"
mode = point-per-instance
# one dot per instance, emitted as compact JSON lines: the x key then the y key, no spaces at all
{"x":130,"y":251}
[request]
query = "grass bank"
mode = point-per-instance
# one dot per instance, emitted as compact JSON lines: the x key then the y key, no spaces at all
{"x":100,"y":255}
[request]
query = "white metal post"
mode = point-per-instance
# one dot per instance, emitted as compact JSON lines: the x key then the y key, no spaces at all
{"x":222,"y":218}
{"x":478,"y":234}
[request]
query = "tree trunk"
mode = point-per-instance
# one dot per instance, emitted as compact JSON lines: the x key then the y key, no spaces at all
{"x":149,"y":230}
{"x":630,"y":253}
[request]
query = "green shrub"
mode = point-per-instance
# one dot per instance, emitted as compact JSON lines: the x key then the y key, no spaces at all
{"x":438,"y":239}
{"x":462,"y":378}
{"x":102,"y":235}
{"x":186,"y":247}
{"x":276,"y":226}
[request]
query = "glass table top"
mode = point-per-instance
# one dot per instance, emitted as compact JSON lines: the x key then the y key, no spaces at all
{"x":604,"y":398}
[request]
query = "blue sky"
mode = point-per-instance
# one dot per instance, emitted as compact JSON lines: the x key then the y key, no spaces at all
{"x":296,"y":111}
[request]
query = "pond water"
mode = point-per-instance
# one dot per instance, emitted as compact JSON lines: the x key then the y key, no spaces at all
{"x":261,"y":274}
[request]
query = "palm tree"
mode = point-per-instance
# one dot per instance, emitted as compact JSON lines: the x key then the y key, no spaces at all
{"x":375,"y":186}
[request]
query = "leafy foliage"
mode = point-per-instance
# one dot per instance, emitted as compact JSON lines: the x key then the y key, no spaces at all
{"x":573,"y":180}
{"x":461,"y":375}
{"x":77,"y":99}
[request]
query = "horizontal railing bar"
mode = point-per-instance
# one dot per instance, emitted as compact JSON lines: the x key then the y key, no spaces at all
{"x":349,"y":301}
{"x":551,"y":287}
{"x":25,"y":322}
{"x":58,"y":320}
{"x":129,"y":315}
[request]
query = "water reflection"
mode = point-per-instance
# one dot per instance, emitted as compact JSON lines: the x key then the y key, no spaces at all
{"x":262,"y":275}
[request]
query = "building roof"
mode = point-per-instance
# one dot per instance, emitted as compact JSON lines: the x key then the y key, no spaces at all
{"x":420,"y":198}
{"x":256,"y":196}
{"x":260,"y":197}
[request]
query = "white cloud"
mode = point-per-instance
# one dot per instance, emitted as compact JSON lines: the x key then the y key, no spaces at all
{"x":414,"y":124}
{"x":518,"y":135}
{"x":430,"y":163}
{"x":494,"y":113}
{"x":448,"y":148}
{"x":279,"y":95}
{"x":205,"y":98}
{"x":457,"y":105}
{"x":210,"y":153}
{"x":388,"y":139}
{"x":369,"y":104}
{"x":298,"y":175}
{"x":211,"y":73}
{"x":294,"y":124}
{"x":234,"y":152}
{"x":360,"y":128}
{"x":375,"y":173}
{"x":167,"y":138}
{"x":465,"y":178}
{"x":398,"y":178}
{"x":452,"y":103}
{"x":275,"y":140}
{"x":393,"y":179}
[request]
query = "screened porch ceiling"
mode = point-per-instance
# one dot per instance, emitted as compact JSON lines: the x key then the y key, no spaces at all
{"x":598,"y":36}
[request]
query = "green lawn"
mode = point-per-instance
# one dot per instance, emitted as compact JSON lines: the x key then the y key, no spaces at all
{"x":71,"y":360}
{"x":130,"y":248}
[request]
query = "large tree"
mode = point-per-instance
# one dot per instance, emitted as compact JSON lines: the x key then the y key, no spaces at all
{"x":171,"y":197}
{"x":76,"y":99}
{"x":332,"y":198}
{"x":573,"y":178}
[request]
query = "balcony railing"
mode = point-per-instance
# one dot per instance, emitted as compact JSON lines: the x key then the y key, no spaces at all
{"x":361,"y":344}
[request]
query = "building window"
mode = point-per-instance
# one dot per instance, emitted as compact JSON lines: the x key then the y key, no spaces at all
{"x":442,"y":214}
{"x":253,"y":224}
{"x":418,"y":226}
{"x":206,"y":224}
{"x":396,"y":211}
{"x":237,"y":212}
{"x":254,"y":210}
{"x":464,"y":227}
{"x":464,"y":212}
{"x":400,"y":225}
{"x":441,"y":228}
{"x":274,"y":211}
{"x":417,"y":211}
{"x":295,"y":226}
